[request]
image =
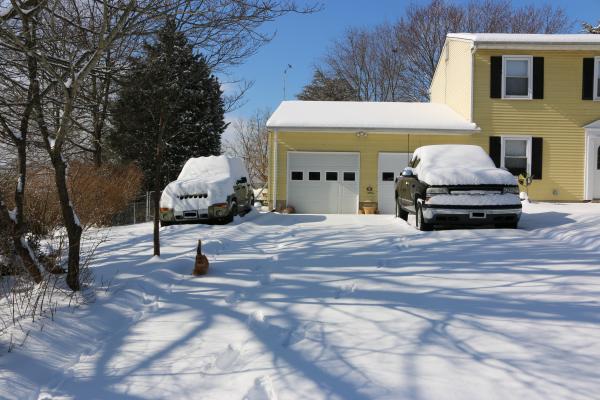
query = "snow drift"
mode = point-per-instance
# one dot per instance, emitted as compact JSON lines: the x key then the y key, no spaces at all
{"x":203,"y":181}
{"x":458,"y":165}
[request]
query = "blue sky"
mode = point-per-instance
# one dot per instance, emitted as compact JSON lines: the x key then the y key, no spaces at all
{"x":302,"y":39}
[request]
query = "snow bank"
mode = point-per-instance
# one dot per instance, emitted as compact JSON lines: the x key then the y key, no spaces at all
{"x":203,"y":181}
{"x":475,"y":200}
{"x":459,"y":165}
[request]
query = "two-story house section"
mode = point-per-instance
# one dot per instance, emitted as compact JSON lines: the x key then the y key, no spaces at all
{"x":530,"y":100}
{"x":535,"y":99}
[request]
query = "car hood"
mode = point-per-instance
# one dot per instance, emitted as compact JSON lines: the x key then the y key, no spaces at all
{"x":466,"y":176}
{"x":217,"y":189}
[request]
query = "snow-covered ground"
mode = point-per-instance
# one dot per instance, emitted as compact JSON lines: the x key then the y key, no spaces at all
{"x":332,"y":307}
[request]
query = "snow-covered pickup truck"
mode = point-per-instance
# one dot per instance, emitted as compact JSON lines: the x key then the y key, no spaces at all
{"x":214,"y":188}
{"x":457,"y":185}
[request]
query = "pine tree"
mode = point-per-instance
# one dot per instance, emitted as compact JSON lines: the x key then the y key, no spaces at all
{"x":168,"y":109}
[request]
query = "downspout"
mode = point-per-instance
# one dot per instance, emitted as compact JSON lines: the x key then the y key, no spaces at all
{"x":275,"y":171}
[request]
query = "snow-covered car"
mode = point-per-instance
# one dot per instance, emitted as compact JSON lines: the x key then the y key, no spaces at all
{"x":214,"y":188}
{"x":457,"y":185}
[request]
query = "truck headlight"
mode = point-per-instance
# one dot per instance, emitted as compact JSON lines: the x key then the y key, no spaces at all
{"x":511,"y":190}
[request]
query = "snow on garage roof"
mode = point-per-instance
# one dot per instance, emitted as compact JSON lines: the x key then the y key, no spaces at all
{"x":369,"y":116}
{"x":528,"y":38}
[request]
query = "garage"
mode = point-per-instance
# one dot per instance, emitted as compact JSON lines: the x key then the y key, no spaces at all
{"x":390,"y":166}
{"x":323,"y":182}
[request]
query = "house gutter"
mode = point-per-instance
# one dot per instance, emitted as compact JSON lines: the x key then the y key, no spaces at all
{"x":353,"y":129}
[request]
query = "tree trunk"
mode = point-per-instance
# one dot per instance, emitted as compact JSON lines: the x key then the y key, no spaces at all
{"x":158,"y":160}
{"x":71,"y":221}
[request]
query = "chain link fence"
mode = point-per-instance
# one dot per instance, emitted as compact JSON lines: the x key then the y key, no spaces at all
{"x":138,"y":211}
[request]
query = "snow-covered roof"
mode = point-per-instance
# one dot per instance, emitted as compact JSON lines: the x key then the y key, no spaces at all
{"x":520,"y":39}
{"x":369,"y":116}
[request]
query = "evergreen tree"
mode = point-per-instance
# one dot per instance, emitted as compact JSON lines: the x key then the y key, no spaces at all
{"x":169,"y":108}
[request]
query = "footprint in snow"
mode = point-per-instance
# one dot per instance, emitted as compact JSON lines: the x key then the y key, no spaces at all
{"x":262,"y":390}
{"x":345,"y":290}
{"x":227,"y":359}
{"x":234,"y":298}
{"x":256,"y":318}
{"x":265,"y":279}
{"x":381,"y":263}
{"x":299,"y":334}
{"x":275,"y":257}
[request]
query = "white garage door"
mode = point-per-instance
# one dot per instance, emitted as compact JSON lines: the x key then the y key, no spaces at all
{"x":323,"y":183}
{"x":390,"y":167}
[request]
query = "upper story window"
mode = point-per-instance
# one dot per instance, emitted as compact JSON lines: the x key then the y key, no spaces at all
{"x":517,"y":77}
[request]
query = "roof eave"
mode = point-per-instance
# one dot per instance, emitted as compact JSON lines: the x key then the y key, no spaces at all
{"x":349,"y":129}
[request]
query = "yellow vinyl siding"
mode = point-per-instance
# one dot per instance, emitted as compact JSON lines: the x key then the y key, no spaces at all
{"x":558,"y":119}
{"x":369,"y":148}
{"x":452,"y":81}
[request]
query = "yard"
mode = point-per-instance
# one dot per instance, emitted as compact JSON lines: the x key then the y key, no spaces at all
{"x":331,"y":307}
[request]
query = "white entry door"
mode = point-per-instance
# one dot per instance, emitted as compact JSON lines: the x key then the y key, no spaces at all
{"x":390,"y":167}
{"x":596,"y":169}
{"x":323,"y":183}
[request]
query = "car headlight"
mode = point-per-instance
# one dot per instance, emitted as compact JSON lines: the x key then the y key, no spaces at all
{"x":511,"y":190}
{"x":432,"y":191}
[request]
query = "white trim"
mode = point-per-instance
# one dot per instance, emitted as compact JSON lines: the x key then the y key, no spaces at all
{"x":591,"y":135}
{"x":472,"y":116}
{"x":529,"y":60}
{"x":596,"y":76}
{"x":516,"y":137}
{"x":357,"y":173}
{"x":275,"y":168}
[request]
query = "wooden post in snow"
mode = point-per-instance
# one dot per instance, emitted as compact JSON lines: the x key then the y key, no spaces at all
{"x":201,"y":266}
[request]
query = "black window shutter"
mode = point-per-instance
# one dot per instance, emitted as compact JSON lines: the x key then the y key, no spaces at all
{"x":537,"y":150}
{"x":496,"y":77}
{"x":588,"y":79}
{"x":538,"y":77}
{"x":495,"y":144}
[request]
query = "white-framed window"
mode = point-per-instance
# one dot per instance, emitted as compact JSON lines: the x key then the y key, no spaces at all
{"x":516,"y":154}
{"x":597,"y":78}
{"x":517,"y":77}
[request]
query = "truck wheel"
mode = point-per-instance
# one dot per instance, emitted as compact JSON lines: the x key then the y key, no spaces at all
{"x":421,"y":224}
{"x":400,"y":212}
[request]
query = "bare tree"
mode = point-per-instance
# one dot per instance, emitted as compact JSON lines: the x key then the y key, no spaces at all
{"x":250,"y":143}
{"x":397,"y":62}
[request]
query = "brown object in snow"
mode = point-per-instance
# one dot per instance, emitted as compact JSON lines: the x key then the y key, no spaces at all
{"x":201,"y":266}
{"x":289,"y":210}
{"x":369,"y":209}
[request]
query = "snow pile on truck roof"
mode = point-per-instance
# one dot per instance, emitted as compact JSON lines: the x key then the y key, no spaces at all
{"x":455,"y":164}
{"x":212,"y":177}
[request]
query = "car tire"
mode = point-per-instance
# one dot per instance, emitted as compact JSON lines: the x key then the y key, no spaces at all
{"x":400,"y":213}
{"x":421,"y":224}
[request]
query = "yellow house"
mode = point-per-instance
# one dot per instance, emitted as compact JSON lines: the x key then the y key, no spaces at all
{"x":531,"y":100}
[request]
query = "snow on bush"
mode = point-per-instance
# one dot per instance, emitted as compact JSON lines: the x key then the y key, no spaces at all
{"x":459,"y":165}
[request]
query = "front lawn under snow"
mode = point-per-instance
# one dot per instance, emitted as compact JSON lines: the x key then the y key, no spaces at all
{"x":332,"y":307}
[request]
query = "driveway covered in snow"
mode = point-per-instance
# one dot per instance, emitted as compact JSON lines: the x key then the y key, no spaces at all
{"x":333,"y":307}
